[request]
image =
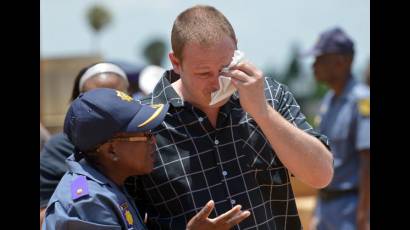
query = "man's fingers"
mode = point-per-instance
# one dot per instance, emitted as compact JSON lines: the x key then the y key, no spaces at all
{"x":238,"y":75}
{"x":238,"y":84}
{"x":239,"y":217}
{"x":248,"y":68}
{"x":229,"y":214}
{"x":206,"y":210}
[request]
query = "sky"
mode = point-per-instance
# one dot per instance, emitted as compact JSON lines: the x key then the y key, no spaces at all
{"x":266,"y":29}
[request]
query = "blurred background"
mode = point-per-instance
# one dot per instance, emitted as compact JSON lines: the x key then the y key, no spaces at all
{"x":136,"y":33}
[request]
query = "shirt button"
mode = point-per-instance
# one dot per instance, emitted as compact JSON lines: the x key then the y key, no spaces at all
{"x":200,"y":119}
{"x":224,"y":173}
{"x":233,"y":201}
{"x":216,"y":142}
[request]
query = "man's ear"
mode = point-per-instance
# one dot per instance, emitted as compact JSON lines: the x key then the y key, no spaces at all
{"x":176,"y":64}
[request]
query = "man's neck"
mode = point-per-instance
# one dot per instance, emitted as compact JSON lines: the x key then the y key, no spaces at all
{"x":114,"y":174}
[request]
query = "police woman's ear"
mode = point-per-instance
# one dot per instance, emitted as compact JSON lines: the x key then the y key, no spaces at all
{"x":106,"y":152}
{"x":111,"y":152}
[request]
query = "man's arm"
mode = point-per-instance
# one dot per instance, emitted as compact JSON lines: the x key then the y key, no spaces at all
{"x":42,"y":214}
{"x":302,"y":154}
{"x":363,"y":206}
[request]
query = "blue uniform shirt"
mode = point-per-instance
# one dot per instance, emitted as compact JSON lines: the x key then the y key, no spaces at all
{"x":345,"y":120}
{"x":86,"y":199}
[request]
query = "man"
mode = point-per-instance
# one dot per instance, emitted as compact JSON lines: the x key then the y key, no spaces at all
{"x":345,"y":119}
{"x":238,"y":151}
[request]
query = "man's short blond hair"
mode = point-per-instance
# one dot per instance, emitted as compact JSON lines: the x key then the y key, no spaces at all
{"x":201,"y":24}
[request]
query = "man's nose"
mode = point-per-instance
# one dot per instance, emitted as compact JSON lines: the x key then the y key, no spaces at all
{"x":214,"y":82}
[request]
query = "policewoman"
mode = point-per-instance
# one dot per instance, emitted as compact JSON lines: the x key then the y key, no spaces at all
{"x":112,"y":139}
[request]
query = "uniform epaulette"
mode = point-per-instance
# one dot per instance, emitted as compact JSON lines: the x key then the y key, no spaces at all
{"x":79,"y":187}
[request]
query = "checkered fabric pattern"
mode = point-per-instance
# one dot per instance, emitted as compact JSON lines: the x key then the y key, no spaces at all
{"x":230,"y":164}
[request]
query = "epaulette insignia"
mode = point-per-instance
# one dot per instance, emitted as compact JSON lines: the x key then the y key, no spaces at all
{"x":364,"y":107}
{"x":127,"y":214}
{"x":79,"y":187}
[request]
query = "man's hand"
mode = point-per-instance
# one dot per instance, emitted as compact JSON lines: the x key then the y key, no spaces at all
{"x":249,"y":81}
{"x":362,"y":220}
{"x":223,"y":222}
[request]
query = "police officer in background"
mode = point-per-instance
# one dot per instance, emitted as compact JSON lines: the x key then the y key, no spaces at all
{"x":344,"y":117}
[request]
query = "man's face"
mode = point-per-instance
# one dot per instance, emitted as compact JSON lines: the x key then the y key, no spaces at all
{"x":325,"y":67}
{"x":200,"y":69}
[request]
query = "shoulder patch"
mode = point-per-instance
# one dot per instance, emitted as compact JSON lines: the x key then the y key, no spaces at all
{"x":127,"y":214}
{"x":79,"y":187}
{"x":364,"y":106}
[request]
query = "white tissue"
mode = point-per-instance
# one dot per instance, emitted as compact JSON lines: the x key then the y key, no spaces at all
{"x":226,"y":89}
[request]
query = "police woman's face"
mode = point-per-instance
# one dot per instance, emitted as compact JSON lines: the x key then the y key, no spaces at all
{"x":132,"y":153}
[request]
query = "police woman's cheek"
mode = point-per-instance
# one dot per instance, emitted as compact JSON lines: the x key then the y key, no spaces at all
{"x":143,"y":158}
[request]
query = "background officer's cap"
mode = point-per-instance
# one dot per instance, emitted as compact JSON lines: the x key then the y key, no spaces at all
{"x":332,"y":41}
{"x":97,"y":115}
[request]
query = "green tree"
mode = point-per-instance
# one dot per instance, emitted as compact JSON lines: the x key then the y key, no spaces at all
{"x":293,"y":70}
{"x":98,"y":19}
{"x":155,"y":51}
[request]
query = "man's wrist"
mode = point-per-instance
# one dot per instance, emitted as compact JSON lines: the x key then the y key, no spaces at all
{"x":263,"y":115}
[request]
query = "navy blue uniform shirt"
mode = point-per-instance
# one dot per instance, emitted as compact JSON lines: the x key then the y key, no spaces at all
{"x":86,"y":199}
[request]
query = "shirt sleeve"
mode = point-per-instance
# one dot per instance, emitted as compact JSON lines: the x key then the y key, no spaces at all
{"x":52,"y":165}
{"x":86,"y":214}
{"x":285,"y":103}
{"x":363,"y":124}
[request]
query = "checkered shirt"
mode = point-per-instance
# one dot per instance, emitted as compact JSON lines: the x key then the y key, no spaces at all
{"x":230,"y":164}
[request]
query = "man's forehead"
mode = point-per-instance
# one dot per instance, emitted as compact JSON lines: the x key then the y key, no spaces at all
{"x":209,"y":59}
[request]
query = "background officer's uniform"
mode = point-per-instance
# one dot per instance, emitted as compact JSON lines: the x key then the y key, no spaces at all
{"x":345,"y":120}
{"x":86,"y":199}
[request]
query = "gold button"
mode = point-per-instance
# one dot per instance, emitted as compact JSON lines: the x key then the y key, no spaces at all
{"x":80,"y":190}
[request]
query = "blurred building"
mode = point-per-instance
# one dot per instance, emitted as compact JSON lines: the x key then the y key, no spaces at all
{"x":57,"y":77}
{"x":305,"y":201}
